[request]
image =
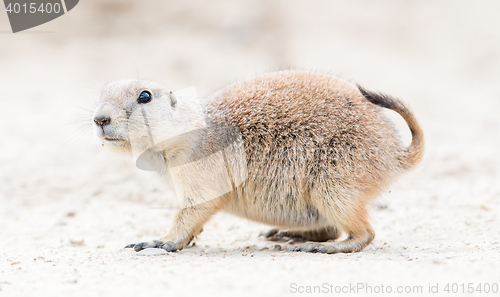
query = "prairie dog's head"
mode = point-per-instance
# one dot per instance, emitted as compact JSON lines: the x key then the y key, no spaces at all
{"x":134,"y":115}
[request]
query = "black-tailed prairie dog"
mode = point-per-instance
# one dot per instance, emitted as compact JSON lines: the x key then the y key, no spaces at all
{"x":316,"y":150}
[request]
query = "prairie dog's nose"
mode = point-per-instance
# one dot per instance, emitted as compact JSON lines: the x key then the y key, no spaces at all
{"x":102,"y":114}
{"x":102,"y":121}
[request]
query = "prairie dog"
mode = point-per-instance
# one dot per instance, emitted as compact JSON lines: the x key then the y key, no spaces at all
{"x":317,"y":150}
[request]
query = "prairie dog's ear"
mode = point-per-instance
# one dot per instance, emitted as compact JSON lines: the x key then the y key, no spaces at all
{"x":173,"y":99}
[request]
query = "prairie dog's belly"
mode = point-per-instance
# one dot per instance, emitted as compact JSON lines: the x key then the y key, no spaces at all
{"x":276,"y":212}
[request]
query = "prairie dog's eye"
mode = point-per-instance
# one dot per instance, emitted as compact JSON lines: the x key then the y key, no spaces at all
{"x":144,"y":97}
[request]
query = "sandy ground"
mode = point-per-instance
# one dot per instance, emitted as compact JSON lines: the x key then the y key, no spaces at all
{"x":68,"y":206}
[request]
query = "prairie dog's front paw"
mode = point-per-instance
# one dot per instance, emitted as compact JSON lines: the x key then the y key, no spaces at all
{"x":168,"y":246}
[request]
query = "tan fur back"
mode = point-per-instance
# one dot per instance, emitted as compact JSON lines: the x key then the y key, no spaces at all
{"x":303,"y":130}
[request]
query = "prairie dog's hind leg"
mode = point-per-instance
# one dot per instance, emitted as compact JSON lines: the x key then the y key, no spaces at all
{"x":354,"y":243}
{"x":349,"y":213}
{"x":324,"y":234}
{"x":187,"y":224}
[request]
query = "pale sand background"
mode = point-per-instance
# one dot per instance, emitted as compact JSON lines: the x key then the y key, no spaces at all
{"x":56,"y":186}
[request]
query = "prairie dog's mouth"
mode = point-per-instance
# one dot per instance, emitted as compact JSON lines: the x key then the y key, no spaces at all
{"x":107,"y":138}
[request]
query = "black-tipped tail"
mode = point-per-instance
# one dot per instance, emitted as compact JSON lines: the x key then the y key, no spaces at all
{"x":416,"y":149}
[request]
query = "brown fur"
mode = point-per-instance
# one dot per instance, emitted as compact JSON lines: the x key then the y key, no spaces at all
{"x":318,"y":151}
